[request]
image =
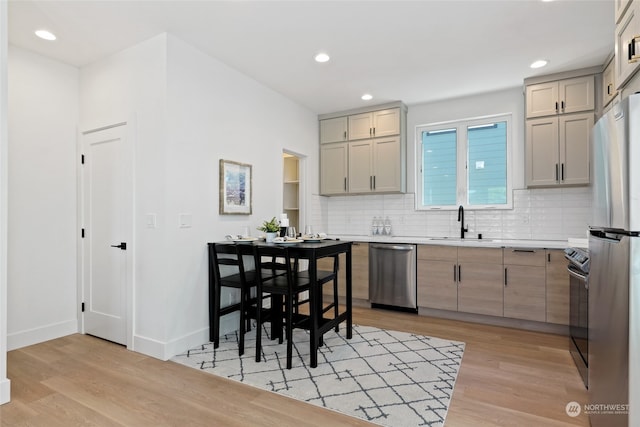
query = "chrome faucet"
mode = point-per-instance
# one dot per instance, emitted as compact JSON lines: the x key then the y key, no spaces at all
{"x":461,"y":219}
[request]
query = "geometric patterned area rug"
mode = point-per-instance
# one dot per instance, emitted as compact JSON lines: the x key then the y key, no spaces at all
{"x":385,"y":377}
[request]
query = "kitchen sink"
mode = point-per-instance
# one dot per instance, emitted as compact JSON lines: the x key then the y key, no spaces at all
{"x":458,"y":239}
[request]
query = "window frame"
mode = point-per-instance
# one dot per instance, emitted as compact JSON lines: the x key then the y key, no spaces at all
{"x":462,"y":177}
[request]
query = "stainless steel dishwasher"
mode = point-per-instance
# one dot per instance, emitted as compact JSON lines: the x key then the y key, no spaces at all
{"x":392,"y":276}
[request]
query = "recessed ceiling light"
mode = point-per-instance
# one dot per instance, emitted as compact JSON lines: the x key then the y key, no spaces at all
{"x":367,"y":97}
{"x":321,"y":57}
{"x":44,"y":34}
{"x":539,"y":63}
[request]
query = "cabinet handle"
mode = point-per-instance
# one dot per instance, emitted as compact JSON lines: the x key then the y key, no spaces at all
{"x":609,"y":89}
{"x":459,"y":273}
{"x":374,"y":182}
{"x":370,"y":131}
{"x":345,"y":135}
{"x":556,"y":171}
{"x":562,"y":172}
{"x":556,"y":107}
{"x":632,"y":50}
{"x":345,"y":183}
{"x":530,"y":251}
{"x":374,"y":131}
{"x":549,"y":257}
{"x":370,"y":182}
{"x":505,"y":277}
{"x":562,"y":105}
{"x":455,"y":276}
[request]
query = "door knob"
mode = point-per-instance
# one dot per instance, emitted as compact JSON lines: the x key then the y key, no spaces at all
{"x":122,"y":246}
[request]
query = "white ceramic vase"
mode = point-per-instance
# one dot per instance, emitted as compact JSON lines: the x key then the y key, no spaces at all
{"x":271,"y":236}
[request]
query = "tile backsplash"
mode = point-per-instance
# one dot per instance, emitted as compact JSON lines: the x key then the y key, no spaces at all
{"x":539,"y":214}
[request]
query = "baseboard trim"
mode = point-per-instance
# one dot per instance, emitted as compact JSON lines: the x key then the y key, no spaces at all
{"x":166,"y":350}
{"x":528,"y":325}
{"x":21,"y":339}
{"x":5,"y":391}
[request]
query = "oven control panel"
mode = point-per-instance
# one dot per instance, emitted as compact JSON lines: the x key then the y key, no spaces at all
{"x":578,"y":257}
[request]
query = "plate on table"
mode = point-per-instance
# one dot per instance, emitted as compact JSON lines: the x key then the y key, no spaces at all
{"x":315,"y":238}
{"x":245,"y":239}
{"x":288,"y":242}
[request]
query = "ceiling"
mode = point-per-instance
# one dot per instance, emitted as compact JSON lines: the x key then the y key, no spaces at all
{"x":413,"y":51}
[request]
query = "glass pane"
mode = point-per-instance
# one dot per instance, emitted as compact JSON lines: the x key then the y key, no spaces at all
{"x":487,"y":164}
{"x":439,"y":167}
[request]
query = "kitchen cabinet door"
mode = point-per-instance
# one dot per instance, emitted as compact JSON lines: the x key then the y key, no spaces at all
{"x":437,"y":273}
{"x":387,"y":165}
{"x":627,"y":44}
{"x":361,"y":166}
{"x":525,"y":284}
{"x":359,"y":274}
{"x":543,"y":156}
{"x":360,"y":126}
{"x":480,"y":276}
{"x":557,"y":282}
{"x":374,"y":124}
{"x":386,"y":122}
{"x":560,"y":97}
{"x":542,"y":99}
{"x":576,"y":94}
{"x":333,"y":168}
{"x":557,"y":150}
{"x":333,"y":130}
{"x":575,"y":131}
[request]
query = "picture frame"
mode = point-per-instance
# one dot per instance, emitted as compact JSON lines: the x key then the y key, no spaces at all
{"x":235,"y":188}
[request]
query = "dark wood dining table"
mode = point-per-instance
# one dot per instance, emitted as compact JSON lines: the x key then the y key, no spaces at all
{"x":312,"y":251}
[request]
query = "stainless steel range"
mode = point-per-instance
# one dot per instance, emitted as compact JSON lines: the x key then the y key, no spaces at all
{"x":579,"y":308}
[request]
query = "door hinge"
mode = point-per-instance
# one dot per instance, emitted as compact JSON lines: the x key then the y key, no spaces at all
{"x":82,"y":159}
{"x":82,"y":233}
{"x":82,"y":307}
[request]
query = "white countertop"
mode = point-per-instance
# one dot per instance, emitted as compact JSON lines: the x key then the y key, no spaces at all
{"x":453,"y":241}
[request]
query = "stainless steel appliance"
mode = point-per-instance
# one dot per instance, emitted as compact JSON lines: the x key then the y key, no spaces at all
{"x":392,"y":276}
{"x":579,"y":309}
{"x":614,"y":277}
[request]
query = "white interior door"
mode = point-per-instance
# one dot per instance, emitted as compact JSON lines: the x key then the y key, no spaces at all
{"x":107,"y":212}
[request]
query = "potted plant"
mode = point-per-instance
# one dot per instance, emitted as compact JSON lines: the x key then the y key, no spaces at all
{"x":271,"y":228}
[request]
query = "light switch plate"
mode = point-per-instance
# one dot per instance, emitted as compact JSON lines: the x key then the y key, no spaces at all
{"x":184,"y":220}
{"x":150,"y":220}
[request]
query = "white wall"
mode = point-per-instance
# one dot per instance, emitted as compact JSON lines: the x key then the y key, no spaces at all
{"x":191,"y":110}
{"x":217,"y":113}
{"x":547,"y":214}
{"x":43,"y":114}
{"x":5,"y":389}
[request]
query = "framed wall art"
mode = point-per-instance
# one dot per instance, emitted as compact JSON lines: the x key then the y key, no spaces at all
{"x":235,"y":188}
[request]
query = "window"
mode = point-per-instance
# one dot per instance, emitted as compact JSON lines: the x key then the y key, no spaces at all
{"x":464,"y":163}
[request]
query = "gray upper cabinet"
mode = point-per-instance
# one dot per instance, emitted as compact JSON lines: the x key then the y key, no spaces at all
{"x":627,"y":58}
{"x":333,"y":130}
{"x":375,"y":124}
{"x":560,"y":115}
{"x":561,"y":97}
{"x":373,"y":158}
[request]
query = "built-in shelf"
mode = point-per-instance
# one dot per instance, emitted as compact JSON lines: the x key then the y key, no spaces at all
{"x":291,"y":189}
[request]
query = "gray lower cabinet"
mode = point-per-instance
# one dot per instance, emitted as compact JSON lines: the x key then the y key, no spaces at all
{"x":527,"y":284}
{"x":524,"y":284}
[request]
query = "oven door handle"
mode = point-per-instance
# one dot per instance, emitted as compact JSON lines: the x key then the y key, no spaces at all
{"x":577,"y":275}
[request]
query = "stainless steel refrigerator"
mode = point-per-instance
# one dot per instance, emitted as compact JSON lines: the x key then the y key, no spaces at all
{"x":614,"y":277}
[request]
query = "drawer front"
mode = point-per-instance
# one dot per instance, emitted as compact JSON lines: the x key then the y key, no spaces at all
{"x":438,"y":253}
{"x":480,"y":255}
{"x":518,"y":256}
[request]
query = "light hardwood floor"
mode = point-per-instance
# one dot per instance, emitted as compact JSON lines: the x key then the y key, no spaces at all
{"x":508,"y":377}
